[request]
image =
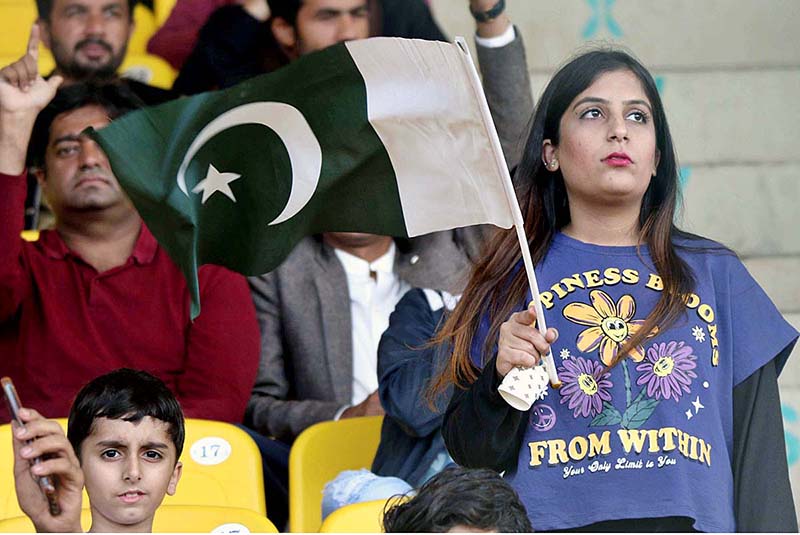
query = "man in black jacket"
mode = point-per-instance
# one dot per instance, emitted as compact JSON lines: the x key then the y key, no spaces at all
{"x":257,"y":36}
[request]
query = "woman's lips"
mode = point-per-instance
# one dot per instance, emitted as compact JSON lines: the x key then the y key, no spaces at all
{"x":617,"y":159}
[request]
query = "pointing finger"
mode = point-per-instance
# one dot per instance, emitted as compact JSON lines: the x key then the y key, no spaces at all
{"x":33,"y":42}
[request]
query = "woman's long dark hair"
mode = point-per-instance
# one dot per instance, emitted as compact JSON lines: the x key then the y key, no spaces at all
{"x":497,"y":286}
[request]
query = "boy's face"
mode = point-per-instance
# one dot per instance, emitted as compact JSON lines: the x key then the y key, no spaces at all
{"x":128,"y":468}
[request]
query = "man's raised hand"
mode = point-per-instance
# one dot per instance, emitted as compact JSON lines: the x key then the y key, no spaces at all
{"x":22,"y":88}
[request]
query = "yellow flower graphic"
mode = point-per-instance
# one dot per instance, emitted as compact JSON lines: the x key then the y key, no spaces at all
{"x":610,"y":325}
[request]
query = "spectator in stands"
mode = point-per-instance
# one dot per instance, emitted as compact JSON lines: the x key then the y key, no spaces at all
{"x":97,"y":292}
{"x":125,"y":436}
{"x":323,"y":310}
{"x":411,"y":449}
{"x":460,"y":500}
{"x":89,"y":39}
{"x":241,"y":41}
{"x":175,"y":39}
{"x":599,"y":186}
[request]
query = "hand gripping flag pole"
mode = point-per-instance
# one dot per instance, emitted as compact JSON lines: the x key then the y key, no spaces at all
{"x":518,"y":223}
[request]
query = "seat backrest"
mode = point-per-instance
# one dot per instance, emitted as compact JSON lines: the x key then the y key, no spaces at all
{"x":176,"y":519}
{"x":162,"y":9}
{"x":364,"y":517}
{"x":221,"y":467}
{"x":30,"y":235}
{"x":16,"y":19}
{"x":144,"y":29}
{"x":318,"y":455}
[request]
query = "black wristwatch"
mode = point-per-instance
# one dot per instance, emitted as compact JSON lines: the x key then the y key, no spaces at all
{"x":492,"y":13}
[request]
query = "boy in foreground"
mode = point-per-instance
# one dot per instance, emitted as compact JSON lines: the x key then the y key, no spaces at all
{"x":125,"y":436}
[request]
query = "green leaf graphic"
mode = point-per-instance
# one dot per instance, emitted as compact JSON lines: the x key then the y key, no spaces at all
{"x":638,"y":413}
{"x":609,"y":416}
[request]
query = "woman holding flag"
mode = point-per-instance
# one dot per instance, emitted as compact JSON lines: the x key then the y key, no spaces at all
{"x":667,"y":350}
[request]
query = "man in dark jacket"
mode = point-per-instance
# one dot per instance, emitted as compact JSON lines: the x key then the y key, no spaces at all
{"x":240,"y":41}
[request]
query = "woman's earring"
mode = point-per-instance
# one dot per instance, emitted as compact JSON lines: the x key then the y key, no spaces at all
{"x":553,"y":164}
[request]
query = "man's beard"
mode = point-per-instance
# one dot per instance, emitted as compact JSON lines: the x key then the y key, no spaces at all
{"x":70,"y":68}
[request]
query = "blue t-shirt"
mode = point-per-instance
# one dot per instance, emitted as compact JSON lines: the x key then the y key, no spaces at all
{"x":654,"y":437}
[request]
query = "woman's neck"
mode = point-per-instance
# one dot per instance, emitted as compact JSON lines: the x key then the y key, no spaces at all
{"x":607,"y":225}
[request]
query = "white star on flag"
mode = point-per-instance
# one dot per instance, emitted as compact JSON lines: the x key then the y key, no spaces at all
{"x":216,"y":182}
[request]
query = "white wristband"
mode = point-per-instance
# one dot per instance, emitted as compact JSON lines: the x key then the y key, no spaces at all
{"x":506,"y":38}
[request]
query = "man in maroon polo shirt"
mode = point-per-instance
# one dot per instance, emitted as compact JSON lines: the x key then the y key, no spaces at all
{"x":97,"y":292}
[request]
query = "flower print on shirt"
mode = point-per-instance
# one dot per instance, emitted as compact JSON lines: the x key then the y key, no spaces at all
{"x":609,"y":324}
{"x":585,"y":386}
{"x":668,"y":370}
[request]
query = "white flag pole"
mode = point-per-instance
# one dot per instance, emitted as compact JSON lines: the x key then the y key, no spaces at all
{"x":516,"y":213}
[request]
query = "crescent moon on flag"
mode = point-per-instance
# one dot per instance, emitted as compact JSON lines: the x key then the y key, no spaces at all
{"x":305,"y":153}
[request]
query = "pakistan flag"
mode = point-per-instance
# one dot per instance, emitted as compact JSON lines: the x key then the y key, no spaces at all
{"x":385,"y":136}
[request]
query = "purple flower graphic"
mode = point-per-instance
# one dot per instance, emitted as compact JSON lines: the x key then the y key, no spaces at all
{"x":585,"y":386}
{"x":667,"y":370}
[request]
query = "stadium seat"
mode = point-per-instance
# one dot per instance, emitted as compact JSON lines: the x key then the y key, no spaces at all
{"x":318,"y":455}
{"x":30,"y":235}
{"x":364,"y":517}
{"x":145,"y":28}
{"x":15,"y":26}
{"x":162,"y":9}
{"x":177,"y":519}
{"x":221,"y":467}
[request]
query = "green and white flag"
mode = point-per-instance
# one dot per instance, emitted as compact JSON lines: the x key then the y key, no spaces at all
{"x":386,"y":136}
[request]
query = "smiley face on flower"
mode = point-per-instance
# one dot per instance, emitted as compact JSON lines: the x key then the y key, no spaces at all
{"x":609,"y":324}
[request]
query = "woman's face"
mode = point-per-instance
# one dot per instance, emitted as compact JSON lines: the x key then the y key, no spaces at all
{"x":607,"y":152}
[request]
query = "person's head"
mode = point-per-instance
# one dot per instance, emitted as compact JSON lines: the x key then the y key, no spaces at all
{"x":88,"y":38}
{"x":460,"y":500}
{"x":602,"y":103}
{"x":304,"y":26}
{"x":72,"y":169}
{"x":599,"y":143}
{"x":127,"y":430}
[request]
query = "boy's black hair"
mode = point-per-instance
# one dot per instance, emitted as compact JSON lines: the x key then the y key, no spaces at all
{"x":115,"y":97}
{"x":129,"y":395}
{"x":45,"y":8}
{"x":460,"y":497}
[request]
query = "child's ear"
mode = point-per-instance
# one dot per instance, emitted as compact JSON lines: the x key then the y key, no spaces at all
{"x":176,"y":476}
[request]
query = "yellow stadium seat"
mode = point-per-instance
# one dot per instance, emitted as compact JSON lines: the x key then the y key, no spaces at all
{"x":149,"y":69}
{"x":145,"y":27}
{"x":15,"y":26}
{"x":364,"y":517}
{"x":162,"y":10}
{"x":177,"y":519}
{"x":221,"y":467}
{"x":30,"y":235}
{"x":318,"y":455}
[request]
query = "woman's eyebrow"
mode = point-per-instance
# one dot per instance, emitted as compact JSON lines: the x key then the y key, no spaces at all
{"x":599,"y":100}
{"x":585,"y":100}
